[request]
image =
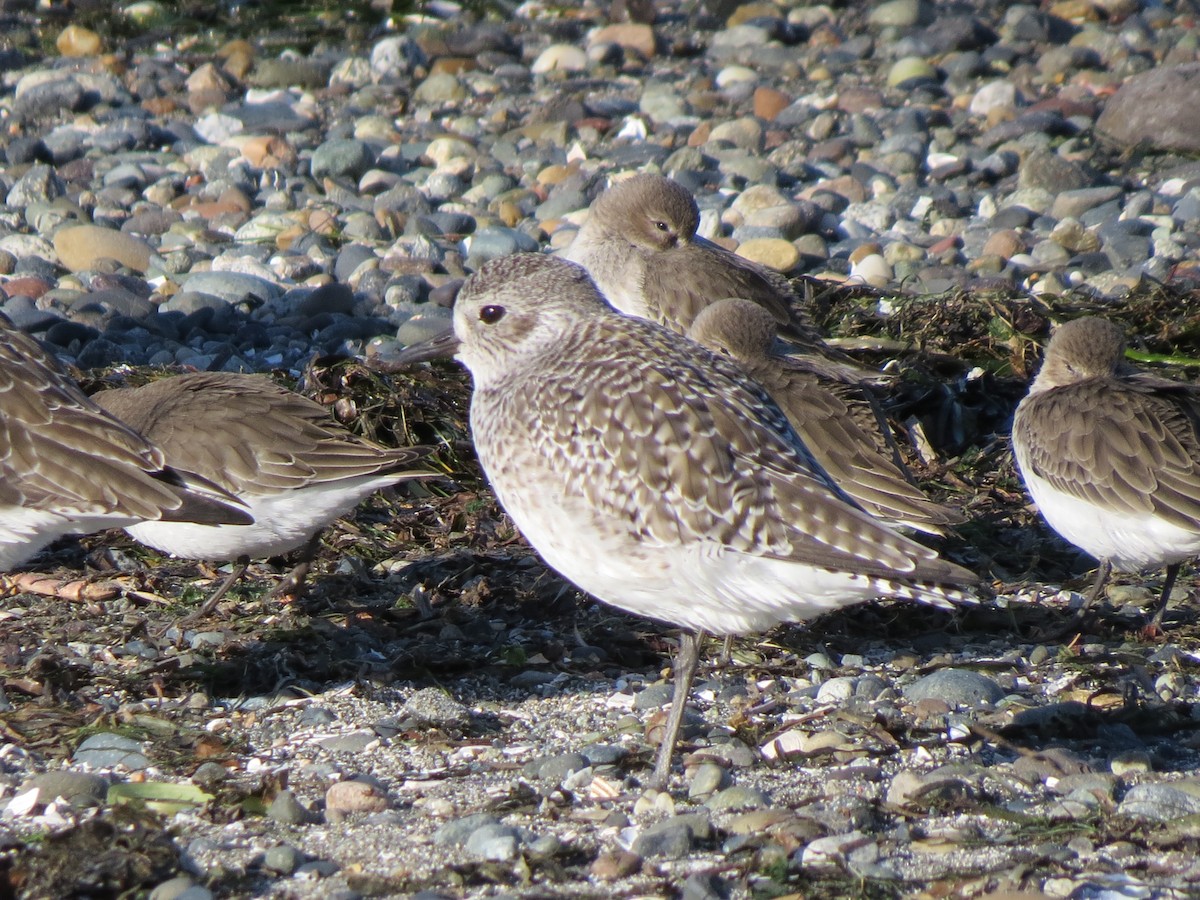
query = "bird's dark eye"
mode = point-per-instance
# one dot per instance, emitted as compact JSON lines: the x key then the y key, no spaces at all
{"x":491,"y":314}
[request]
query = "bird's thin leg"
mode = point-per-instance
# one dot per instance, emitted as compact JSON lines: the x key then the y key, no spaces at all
{"x":726,"y":654}
{"x":243,"y":563}
{"x":686,"y":662}
{"x":1093,"y":595}
{"x":1155,"y":625}
{"x":1076,"y":619}
{"x":294,"y":580}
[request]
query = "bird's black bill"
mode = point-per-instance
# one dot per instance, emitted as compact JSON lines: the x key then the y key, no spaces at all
{"x":441,"y":346}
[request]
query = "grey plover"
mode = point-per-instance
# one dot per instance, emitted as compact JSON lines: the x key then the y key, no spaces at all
{"x":640,"y":246}
{"x":838,"y":419}
{"x":658,"y":477}
{"x":68,"y":467}
{"x":1111,"y":455}
{"x":278,"y":452}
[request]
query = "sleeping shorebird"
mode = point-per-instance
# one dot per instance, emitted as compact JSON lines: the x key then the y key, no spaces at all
{"x":657,"y":476}
{"x":839,"y":420}
{"x":278,"y":452}
{"x":69,"y":467}
{"x":1111,"y":455}
{"x":639,"y":245}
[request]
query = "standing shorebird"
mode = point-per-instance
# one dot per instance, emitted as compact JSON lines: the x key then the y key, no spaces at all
{"x":1111,"y":455}
{"x":658,"y":477}
{"x":68,"y":467}
{"x":278,"y":452}
{"x":838,"y":419}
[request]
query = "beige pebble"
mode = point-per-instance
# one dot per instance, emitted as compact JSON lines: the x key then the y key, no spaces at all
{"x":768,"y":102}
{"x":344,"y":797}
{"x":871,"y":270}
{"x":907,"y":69}
{"x":745,"y":133}
{"x":1071,"y":234}
{"x":759,"y":196}
{"x":237,"y":58}
{"x":80,"y":246}
{"x":774,"y":253}
{"x":452,"y":65}
{"x":560,"y":58}
{"x":613,"y":864}
{"x":629,"y":35}
{"x":268,"y":151}
{"x":862,"y":251}
{"x":74,"y":40}
{"x":731,"y":75}
{"x":441,"y":150}
{"x":1005,"y":243}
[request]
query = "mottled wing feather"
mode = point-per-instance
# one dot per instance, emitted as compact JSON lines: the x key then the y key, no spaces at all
{"x":1130,"y":448}
{"x":847,"y":434}
{"x":248,"y":434}
{"x":682,"y":489}
{"x":47,"y":427}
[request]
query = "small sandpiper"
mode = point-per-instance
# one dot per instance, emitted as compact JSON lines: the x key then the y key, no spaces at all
{"x":1111,"y":455}
{"x":69,"y":467}
{"x":278,"y":452}
{"x":640,"y":246}
{"x":839,"y":420}
{"x":657,"y":476}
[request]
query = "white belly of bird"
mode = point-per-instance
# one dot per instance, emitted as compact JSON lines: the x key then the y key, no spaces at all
{"x":701,"y":585}
{"x":282,"y":522}
{"x":23,"y":532}
{"x":1129,"y":542}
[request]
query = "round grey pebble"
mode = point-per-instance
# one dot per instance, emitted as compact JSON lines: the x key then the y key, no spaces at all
{"x":456,"y":832}
{"x":738,"y":797}
{"x":233,"y":287}
{"x":604,"y":754}
{"x":287,"y":809}
{"x":704,"y":886}
{"x":672,"y":838}
{"x":654,"y":696}
{"x":708,"y":778}
{"x":494,"y":241}
{"x":346,"y":159}
{"x":1161,"y":802}
{"x":433,"y":706}
{"x":428,"y":324}
{"x":210,"y":774}
{"x":354,"y":742}
{"x":176,"y":888}
{"x":329,"y":298}
{"x":317,"y":715}
{"x":77,"y":788}
{"x":957,"y":687}
{"x":495,"y":841}
{"x":106,"y":751}
{"x":555,"y":768}
{"x":282,"y":859}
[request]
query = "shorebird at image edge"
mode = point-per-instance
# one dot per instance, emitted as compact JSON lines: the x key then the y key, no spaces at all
{"x":1111,"y":455}
{"x":69,"y":467}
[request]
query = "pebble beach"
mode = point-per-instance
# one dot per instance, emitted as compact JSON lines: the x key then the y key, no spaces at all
{"x":452,"y":720}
